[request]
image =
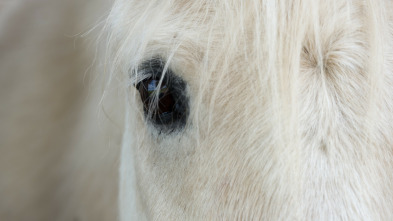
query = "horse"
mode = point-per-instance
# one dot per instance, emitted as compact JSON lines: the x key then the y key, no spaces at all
{"x":196,"y":110}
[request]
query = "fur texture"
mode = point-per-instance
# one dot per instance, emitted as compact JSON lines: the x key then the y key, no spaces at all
{"x":291,"y":104}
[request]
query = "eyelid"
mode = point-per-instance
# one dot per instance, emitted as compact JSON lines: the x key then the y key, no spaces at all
{"x":139,"y":76}
{"x":145,"y":70}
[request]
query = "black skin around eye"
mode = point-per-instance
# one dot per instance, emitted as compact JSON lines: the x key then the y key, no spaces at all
{"x":172,"y":110}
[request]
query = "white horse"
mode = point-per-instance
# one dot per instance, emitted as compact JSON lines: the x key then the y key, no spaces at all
{"x":212,"y":110}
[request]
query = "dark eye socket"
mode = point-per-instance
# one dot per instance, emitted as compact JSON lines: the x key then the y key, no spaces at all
{"x":165,"y":104}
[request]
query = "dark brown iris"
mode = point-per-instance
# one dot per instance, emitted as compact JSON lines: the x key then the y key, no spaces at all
{"x":149,"y":89}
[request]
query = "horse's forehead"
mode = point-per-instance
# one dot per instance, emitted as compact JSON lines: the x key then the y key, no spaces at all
{"x":204,"y":24}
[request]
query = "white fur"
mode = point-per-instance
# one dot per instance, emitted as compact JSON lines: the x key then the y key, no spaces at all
{"x":290,"y":115}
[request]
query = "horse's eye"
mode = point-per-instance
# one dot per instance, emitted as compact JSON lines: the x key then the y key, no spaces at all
{"x":161,"y":111}
{"x":165,"y":104}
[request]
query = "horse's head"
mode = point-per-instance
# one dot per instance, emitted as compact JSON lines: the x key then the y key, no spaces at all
{"x":255,"y":110}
